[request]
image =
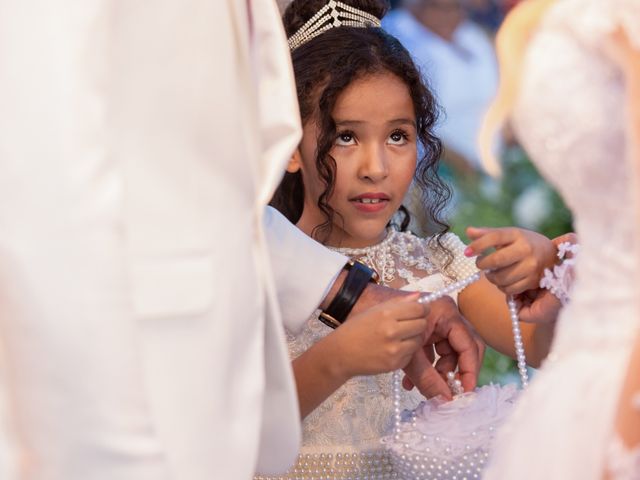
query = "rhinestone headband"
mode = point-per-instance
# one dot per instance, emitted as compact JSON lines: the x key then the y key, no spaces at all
{"x":334,"y":14}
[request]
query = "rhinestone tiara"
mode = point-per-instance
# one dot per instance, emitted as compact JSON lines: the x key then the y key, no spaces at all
{"x":334,"y":14}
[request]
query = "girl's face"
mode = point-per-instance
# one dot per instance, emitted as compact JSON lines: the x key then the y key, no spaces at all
{"x":375,"y":153}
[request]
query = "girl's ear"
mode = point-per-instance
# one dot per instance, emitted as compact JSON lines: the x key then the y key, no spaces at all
{"x":295,"y":163}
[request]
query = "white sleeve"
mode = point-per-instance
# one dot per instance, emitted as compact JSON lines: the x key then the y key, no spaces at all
{"x":303,"y":269}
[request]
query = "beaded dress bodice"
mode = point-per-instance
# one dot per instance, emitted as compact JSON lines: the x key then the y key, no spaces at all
{"x":570,"y":117}
{"x":350,"y":423}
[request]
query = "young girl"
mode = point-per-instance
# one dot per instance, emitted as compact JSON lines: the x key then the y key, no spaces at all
{"x":364,"y":111}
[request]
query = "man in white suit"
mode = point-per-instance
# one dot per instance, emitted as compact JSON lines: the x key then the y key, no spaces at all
{"x":140,"y":309}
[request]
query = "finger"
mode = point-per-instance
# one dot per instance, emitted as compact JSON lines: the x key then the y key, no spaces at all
{"x":519,"y":286}
{"x":507,"y":276}
{"x":425,"y":377}
{"x":431,"y":384}
{"x":409,"y":346}
{"x":405,"y":308}
{"x":493,"y":238}
{"x":469,"y":361}
{"x":397,"y":300}
{"x":406,"y":329}
{"x":476,"y":232}
{"x":482,"y":347}
{"x":446,"y":363}
{"x":399,"y":318}
{"x":464,"y":344}
{"x":503,"y":257}
{"x":525,"y":315}
{"x":443,"y":347}
{"x":430,"y":353}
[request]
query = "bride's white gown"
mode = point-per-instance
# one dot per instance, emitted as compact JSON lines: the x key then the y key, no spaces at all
{"x":570,"y":118}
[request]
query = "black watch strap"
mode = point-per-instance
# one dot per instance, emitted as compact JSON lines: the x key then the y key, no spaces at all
{"x":358,"y":276}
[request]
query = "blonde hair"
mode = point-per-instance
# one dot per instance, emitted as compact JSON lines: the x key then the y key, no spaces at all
{"x":511,"y":43}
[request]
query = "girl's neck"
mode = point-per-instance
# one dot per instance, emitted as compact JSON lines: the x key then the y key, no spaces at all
{"x":338,"y":238}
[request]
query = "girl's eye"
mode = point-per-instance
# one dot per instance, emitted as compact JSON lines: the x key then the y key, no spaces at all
{"x":345,"y":139}
{"x":398,"y":138}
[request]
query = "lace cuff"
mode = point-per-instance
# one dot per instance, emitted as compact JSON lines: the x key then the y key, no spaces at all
{"x":559,"y":280}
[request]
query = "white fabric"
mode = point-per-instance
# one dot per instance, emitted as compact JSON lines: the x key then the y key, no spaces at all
{"x":448,"y":440}
{"x":138,"y":313}
{"x":293,"y":297}
{"x":570,"y":116}
{"x":462,"y":73}
{"x":357,"y":415}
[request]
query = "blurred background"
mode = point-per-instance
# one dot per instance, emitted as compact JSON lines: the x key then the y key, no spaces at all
{"x":452,"y":41}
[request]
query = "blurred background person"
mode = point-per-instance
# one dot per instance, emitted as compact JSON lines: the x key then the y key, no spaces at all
{"x":458,"y":61}
{"x":487,"y":13}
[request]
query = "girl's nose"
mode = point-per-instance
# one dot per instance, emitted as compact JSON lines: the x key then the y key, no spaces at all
{"x":374,"y":164}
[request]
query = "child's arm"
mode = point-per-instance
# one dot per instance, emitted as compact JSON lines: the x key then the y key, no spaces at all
{"x":519,"y":260}
{"x":485,"y":306}
{"x":380,"y":339}
{"x":516,"y":267}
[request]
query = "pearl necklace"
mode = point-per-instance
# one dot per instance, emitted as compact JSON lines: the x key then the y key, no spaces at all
{"x":453,"y":383}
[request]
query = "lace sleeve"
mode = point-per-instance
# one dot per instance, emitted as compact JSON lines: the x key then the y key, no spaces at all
{"x":451,"y":259}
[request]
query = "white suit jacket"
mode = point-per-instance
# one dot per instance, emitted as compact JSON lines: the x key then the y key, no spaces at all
{"x":141,"y":303}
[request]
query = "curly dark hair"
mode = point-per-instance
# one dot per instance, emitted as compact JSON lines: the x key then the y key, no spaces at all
{"x":323,"y":68}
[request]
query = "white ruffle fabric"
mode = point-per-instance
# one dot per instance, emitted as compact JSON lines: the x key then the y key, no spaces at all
{"x":448,"y":440}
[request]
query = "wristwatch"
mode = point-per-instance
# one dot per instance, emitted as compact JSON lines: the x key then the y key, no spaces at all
{"x":358,"y":277}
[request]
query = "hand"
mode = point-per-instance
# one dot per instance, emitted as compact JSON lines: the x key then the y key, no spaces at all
{"x":457,"y":344}
{"x":538,"y":306}
{"x":519,"y":260}
{"x":382,"y":338}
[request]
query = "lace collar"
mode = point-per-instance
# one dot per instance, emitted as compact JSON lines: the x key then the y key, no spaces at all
{"x":399,"y":254}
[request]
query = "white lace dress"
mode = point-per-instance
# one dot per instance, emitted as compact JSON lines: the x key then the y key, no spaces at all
{"x":570,"y":117}
{"x":341,"y":438}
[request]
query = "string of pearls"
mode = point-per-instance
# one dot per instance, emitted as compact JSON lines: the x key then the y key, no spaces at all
{"x":454,"y":383}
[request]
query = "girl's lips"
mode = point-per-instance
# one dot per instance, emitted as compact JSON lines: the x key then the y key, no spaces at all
{"x":370,"y":207}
